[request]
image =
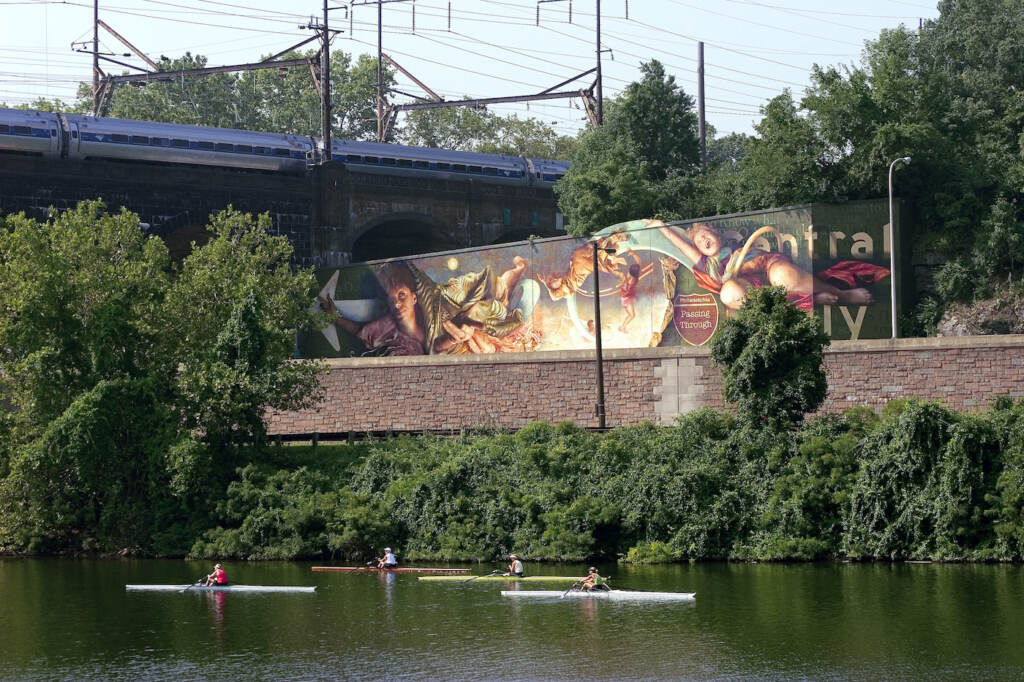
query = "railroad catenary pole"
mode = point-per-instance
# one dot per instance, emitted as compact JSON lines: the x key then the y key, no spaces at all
{"x":701,"y":124}
{"x":325,"y":87}
{"x":600,"y":95}
{"x":380,"y":74}
{"x":96,"y":57}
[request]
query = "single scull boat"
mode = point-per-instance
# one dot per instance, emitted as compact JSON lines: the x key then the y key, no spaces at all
{"x":217,"y":588}
{"x":503,"y":578}
{"x":403,"y":569}
{"x":612,"y":595}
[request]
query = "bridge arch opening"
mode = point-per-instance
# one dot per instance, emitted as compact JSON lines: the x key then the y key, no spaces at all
{"x":401,"y":236}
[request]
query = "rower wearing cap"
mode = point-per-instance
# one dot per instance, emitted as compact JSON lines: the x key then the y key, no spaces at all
{"x":515,"y":567}
{"x":389,"y":560}
{"x":218,"y":577}
{"x":593,"y":581}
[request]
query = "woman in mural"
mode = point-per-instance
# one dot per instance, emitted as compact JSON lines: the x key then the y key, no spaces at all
{"x":731,"y":272}
{"x":465,"y":314}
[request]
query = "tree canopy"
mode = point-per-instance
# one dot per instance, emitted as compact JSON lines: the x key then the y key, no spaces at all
{"x":136,"y":385}
{"x":641,"y":160}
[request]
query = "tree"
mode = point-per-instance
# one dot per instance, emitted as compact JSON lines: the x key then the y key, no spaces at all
{"x":772,"y":354}
{"x":135,"y":386}
{"x":634,"y":165}
{"x":474,"y":129}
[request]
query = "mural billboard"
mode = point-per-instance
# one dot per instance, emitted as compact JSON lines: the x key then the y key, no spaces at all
{"x":655,"y":283}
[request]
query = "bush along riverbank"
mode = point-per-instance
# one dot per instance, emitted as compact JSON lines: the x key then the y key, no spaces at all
{"x":918,"y":482}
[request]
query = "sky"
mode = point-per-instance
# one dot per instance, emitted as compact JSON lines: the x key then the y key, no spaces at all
{"x":753,"y":49}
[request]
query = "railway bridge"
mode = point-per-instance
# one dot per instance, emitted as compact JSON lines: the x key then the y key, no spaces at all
{"x":332,"y":214}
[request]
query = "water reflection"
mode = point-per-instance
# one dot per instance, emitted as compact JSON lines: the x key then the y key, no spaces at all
{"x":749,"y":622}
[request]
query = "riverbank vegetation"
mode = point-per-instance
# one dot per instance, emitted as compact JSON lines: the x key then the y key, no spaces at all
{"x":139,"y":387}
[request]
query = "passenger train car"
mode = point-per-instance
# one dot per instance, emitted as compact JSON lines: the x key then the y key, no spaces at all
{"x":74,"y":136}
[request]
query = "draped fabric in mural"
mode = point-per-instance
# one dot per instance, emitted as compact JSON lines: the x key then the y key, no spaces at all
{"x":657,"y":284}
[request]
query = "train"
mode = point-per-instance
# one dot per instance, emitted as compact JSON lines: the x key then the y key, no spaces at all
{"x":74,"y":136}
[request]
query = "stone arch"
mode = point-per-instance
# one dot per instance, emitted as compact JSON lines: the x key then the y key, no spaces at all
{"x":401,"y":234}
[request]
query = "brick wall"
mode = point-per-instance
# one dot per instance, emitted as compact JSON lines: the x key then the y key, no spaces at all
{"x":657,"y":384}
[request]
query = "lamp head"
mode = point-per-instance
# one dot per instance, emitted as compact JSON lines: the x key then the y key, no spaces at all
{"x":906,"y":160}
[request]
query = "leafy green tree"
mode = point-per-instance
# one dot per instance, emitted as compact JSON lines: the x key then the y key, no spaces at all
{"x":134,"y":386}
{"x":230,"y":317}
{"x":772,"y":359}
{"x":635,"y":164}
{"x":475,"y":129}
{"x":78,"y":294}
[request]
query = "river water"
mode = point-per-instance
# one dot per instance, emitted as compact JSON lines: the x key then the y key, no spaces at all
{"x":73,"y":619}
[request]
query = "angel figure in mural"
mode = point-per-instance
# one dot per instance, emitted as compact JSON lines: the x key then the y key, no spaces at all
{"x":581,"y":266}
{"x":466,"y":314}
{"x":628,"y":289}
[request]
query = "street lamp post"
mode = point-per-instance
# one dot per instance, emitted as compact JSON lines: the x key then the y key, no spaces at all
{"x":597,"y":335}
{"x":892,"y":246}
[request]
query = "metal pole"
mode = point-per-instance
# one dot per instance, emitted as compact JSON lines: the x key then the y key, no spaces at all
{"x":597,"y":338}
{"x":380,"y":74}
{"x":95,"y":57}
{"x":701,"y":126}
{"x":600,"y":108}
{"x":325,"y":87}
{"x":892,"y":247}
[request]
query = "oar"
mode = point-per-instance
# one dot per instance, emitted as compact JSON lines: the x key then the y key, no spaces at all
{"x":569,"y":590}
{"x":191,"y":586}
{"x":492,"y":573}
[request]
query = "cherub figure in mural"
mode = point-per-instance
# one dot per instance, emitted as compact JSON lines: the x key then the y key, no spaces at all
{"x":581,"y":265}
{"x":628,"y":289}
{"x":729,"y":271}
{"x":469,"y":313}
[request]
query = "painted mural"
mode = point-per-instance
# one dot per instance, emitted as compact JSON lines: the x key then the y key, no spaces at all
{"x":650,"y":283}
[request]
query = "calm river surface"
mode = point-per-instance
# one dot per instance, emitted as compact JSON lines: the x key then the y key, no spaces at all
{"x":69,"y":619}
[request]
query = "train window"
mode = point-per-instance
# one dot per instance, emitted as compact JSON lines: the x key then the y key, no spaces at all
{"x":204,"y":145}
{"x":180,"y":144}
{"x":22,"y":130}
{"x":369,"y":159}
{"x":158,"y":141}
{"x":243,"y":148}
{"x":139,"y":139}
{"x":459,"y":167}
{"x":354,"y":158}
{"x":53,"y":133}
{"x":404,"y":163}
{"x":420,"y":164}
{"x":117,"y":137}
{"x":5,"y":129}
{"x":259,"y":150}
{"x":475,"y":169}
{"x":387,"y":161}
{"x":441,"y":165}
{"x":490,"y":171}
{"x":278,"y":151}
{"x":224,"y":147}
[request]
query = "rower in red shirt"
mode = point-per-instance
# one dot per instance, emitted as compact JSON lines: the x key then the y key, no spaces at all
{"x":218,"y":577}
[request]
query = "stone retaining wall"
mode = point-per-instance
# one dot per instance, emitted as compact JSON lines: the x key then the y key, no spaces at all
{"x":656,"y":384}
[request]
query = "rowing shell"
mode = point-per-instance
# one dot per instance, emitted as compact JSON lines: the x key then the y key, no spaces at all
{"x":610,"y":595}
{"x":374,"y":569}
{"x":503,"y":578}
{"x":217,"y":588}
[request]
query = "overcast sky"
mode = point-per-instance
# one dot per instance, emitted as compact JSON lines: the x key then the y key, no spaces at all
{"x":477,"y":48}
